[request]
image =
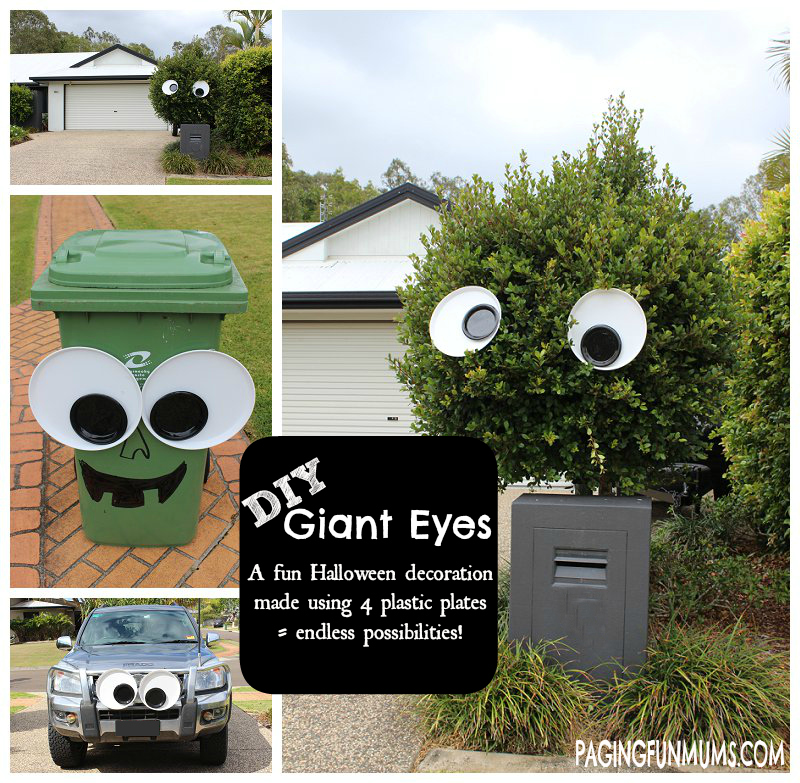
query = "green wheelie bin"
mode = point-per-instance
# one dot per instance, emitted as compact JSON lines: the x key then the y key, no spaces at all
{"x":139,"y":389}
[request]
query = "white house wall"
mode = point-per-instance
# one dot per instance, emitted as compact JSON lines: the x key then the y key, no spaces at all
{"x":392,"y":232}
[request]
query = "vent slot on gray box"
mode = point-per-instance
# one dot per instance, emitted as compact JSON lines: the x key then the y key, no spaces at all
{"x":575,"y":566}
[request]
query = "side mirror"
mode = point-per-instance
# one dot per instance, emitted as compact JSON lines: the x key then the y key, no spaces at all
{"x":64,"y":643}
{"x":212,"y":637}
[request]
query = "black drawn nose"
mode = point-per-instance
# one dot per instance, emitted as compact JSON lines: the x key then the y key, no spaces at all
{"x":135,"y":444}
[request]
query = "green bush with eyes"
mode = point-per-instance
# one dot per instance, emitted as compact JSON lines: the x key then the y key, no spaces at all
{"x":606,"y":217}
{"x":184,"y":106}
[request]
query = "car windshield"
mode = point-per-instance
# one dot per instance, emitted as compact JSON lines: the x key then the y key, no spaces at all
{"x":138,"y":627}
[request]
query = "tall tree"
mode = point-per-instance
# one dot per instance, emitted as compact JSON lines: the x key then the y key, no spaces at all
{"x":251,"y":25}
{"x":732,"y":213}
{"x":33,"y":32}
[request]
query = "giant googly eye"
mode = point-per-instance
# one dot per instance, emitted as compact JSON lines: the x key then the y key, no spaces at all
{"x":465,"y":320}
{"x":609,"y":328}
{"x":116,"y":689}
{"x":159,"y":689}
{"x":170,"y":87}
{"x":85,"y":398}
{"x":197,"y":399}
{"x":200,"y":89}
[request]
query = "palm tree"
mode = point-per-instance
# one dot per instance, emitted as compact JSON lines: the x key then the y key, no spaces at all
{"x":252,"y":24}
{"x":777,"y":160}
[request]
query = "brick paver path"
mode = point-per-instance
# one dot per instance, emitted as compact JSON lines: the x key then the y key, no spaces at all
{"x":48,"y":547}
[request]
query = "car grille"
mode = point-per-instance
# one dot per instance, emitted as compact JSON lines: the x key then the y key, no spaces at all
{"x":171,"y":714}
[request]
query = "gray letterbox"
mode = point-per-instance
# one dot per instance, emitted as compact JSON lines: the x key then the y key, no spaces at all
{"x":196,"y":140}
{"x":580,"y":573}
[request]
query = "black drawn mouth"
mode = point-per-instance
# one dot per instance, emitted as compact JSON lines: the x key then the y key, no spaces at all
{"x":126,"y":492}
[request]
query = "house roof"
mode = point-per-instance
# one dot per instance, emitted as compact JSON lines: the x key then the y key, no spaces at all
{"x":23,"y":65}
{"x":363,"y":211}
{"x":112,"y":71}
{"x":32,"y":603}
{"x":364,"y":281}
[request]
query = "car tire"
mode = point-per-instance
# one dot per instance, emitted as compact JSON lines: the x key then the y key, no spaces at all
{"x":64,"y":752}
{"x":214,"y":748}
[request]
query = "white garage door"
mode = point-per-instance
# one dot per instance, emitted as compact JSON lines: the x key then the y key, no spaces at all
{"x":337,"y":379}
{"x":110,"y":107}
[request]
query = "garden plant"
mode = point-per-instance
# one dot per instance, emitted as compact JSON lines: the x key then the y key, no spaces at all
{"x":756,"y":426}
{"x":606,"y":217}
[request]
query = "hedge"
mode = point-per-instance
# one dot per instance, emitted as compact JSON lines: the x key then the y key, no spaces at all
{"x":245,"y":114}
{"x":21,"y":104}
{"x":756,"y":427}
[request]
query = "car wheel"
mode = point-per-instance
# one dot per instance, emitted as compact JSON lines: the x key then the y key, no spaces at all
{"x":64,"y":752}
{"x":214,"y":748}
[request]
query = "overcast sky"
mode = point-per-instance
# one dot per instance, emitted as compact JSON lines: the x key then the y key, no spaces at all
{"x":464,"y":92}
{"x":157,"y":29}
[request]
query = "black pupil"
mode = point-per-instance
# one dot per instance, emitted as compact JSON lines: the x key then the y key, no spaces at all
{"x":123,"y":694}
{"x":198,"y":91}
{"x":601,"y":345}
{"x":179,"y":415}
{"x":98,"y":418}
{"x":480,"y":322}
{"x":173,"y":88}
{"x":155,"y":697}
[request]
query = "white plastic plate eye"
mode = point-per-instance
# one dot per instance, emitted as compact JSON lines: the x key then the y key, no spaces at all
{"x":170,"y":87}
{"x":83,"y":390}
{"x":467,"y":319}
{"x":209,"y":384}
{"x":610,"y":328}
{"x":159,"y":689}
{"x":116,"y":689}
{"x":200,"y":89}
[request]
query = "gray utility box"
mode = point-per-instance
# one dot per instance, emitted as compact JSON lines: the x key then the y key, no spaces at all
{"x":580,"y":573}
{"x":196,"y":140}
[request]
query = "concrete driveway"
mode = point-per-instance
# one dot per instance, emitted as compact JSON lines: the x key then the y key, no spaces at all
{"x":249,"y":749}
{"x":90,"y":158}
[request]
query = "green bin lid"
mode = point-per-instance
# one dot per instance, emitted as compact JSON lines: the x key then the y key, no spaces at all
{"x":145,"y":271}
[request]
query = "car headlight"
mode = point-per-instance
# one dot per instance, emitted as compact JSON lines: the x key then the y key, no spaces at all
{"x":210,"y":679}
{"x":65,"y":682}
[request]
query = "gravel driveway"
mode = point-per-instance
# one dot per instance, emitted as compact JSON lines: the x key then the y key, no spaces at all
{"x":351,"y":733}
{"x":90,"y":158}
{"x":249,"y":749}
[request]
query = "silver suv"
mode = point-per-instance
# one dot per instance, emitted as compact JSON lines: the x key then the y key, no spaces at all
{"x":138,"y":674}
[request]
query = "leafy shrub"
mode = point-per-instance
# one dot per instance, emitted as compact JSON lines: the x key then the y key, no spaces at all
{"x":531,"y":706}
{"x":602,"y":218}
{"x":756,"y":427}
{"x":186,"y":68}
{"x":245,"y":114}
{"x":21,"y":104}
{"x":258,"y":167}
{"x":176,"y":162}
{"x":700,"y":685}
{"x":18,"y":135}
{"x":220,"y":161}
{"x":173,"y":146}
{"x":42,"y":626}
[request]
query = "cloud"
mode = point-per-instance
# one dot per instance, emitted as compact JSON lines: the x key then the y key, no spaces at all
{"x":463,"y":92}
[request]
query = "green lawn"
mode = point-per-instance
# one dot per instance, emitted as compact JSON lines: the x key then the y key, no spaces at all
{"x":15,"y":710}
{"x":35,"y":654}
{"x":244,"y":224}
{"x":220,"y":181}
{"x":21,"y":695}
{"x":24,"y":213}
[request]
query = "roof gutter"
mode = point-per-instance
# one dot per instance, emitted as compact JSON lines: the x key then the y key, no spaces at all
{"x":140,"y":77}
{"x":341,"y":300}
